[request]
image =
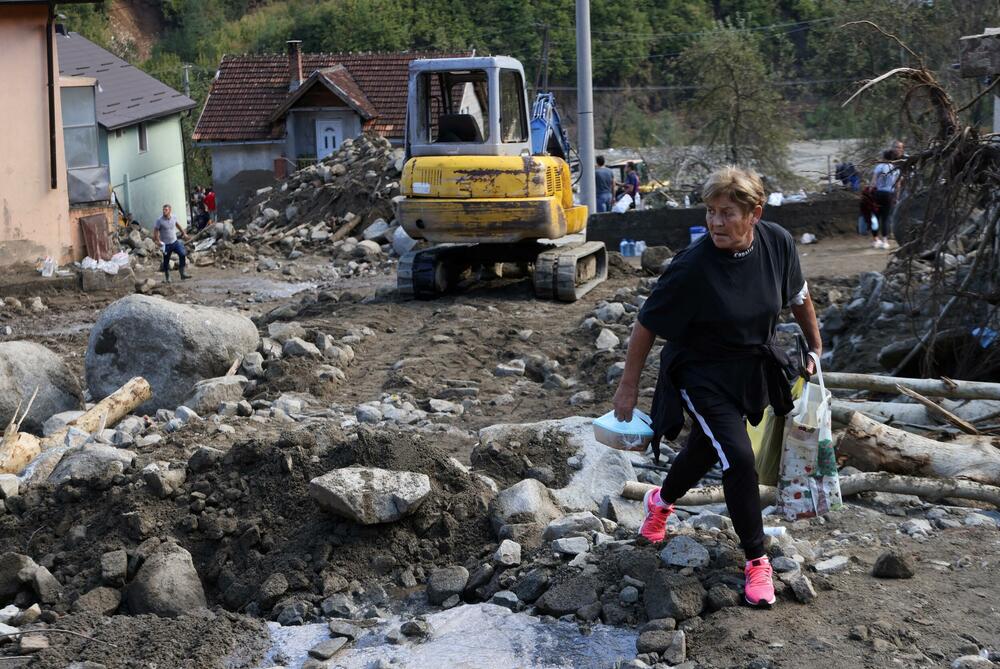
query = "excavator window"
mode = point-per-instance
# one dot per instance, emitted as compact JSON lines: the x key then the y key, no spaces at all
{"x":454,"y":107}
{"x":513,"y":119}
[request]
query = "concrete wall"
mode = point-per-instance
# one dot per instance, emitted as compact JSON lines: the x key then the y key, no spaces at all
{"x":240,"y":169}
{"x":145,"y":181}
{"x":34,"y":217}
{"x":836,"y":213}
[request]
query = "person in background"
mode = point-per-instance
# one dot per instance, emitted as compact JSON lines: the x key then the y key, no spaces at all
{"x":898,"y":149}
{"x":165,"y":232}
{"x":632,"y":185}
{"x":885,"y":177}
{"x":868,"y":214}
{"x":604,"y":178}
{"x":717,"y":305}
{"x":847,"y":174}
{"x":210,"y":204}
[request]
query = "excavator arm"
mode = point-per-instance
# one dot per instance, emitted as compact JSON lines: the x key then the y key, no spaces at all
{"x":548,"y":136}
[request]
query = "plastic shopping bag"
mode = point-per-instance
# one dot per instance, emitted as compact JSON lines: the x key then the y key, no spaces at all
{"x":808,"y":483}
{"x":622,"y":205}
{"x":767,"y":438}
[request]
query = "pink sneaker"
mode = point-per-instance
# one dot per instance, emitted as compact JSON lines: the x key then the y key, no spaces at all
{"x":758,"y":588}
{"x":654,"y":526}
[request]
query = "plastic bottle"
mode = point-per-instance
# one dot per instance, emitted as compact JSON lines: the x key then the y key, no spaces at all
{"x":630,"y":250}
{"x":623,"y":247}
{"x":640,"y":246}
{"x":687,"y":201}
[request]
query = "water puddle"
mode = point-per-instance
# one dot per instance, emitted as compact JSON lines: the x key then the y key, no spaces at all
{"x":265,"y":289}
{"x":466,"y":637}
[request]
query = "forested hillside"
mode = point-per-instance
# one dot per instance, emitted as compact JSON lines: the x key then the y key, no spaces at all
{"x":658,"y":64}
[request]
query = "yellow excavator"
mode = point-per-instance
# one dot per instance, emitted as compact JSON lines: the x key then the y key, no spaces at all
{"x":486,"y":180}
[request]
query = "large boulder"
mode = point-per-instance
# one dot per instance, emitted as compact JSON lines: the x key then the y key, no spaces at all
{"x":369,"y":495}
{"x":173,"y":346}
{"x":25,"y":366}
{"x":167,"y":584}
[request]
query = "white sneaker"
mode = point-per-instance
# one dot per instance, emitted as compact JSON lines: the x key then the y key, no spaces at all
{"x":876,"y":244}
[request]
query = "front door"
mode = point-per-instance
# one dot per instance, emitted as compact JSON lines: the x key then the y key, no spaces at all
{"x":329,"y":135}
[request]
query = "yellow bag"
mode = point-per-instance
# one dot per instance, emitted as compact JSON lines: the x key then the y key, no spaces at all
{"x":767,"y":437}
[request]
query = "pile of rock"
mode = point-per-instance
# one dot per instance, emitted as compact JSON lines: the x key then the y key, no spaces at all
{"x":342,"y":203}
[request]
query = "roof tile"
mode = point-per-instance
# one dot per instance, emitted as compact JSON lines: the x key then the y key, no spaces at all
{"x":250,"y":88}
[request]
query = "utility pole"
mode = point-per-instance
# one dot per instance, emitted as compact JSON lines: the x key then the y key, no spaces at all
{"x":187,"y":80}
{"x":585,"y":106}
{"x":980,"y":58}
{"x":542,"y":74}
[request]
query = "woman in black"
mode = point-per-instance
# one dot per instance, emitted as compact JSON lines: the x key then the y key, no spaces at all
{"x":717,"y":305}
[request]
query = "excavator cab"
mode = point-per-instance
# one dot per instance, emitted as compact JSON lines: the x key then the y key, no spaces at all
{"x":467,"y":106}
{"x":486,"y":179}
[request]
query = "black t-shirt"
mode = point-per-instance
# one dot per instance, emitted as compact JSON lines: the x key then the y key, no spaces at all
{"x":714,"y":305}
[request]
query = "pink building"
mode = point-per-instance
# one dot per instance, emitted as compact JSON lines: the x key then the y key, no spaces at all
{"x":35,"y":216}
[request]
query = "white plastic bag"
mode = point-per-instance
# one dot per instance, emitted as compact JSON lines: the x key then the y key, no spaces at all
{"x":48,"y":267}
{"x":622,"y":205}
{"x":808,"y":482}
{"x":108,"y":267}
{"x":120,"y":259}
{"x":89,"y":263}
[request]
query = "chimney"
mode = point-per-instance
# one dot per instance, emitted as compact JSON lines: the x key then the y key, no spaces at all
{"x":294,"y":64}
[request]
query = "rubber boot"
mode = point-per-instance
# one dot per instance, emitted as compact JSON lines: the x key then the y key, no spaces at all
{"x":166,"y":276}
{"x":184,"y":277}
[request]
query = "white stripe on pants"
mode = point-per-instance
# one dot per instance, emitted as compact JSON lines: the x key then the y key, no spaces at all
{"x":707,"y":430}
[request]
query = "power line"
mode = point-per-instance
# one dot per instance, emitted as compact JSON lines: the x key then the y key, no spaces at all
{"x":694,"y":87}
{"x":715,"y":30}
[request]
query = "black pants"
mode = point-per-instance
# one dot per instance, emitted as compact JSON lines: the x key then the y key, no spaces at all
{"x":886,"y":201}
{"x":719,"y":434}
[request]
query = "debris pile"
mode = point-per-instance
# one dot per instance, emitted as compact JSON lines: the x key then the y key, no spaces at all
{"x":348,"y":194}
{"x":867,"y":325}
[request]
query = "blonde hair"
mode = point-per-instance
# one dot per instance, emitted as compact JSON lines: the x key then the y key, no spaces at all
{"x":744,"y":187}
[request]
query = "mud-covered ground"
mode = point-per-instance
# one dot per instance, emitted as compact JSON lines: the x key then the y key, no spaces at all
{"x":449,"y":349}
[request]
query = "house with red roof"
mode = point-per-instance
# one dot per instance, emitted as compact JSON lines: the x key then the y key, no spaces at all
{"x":268,"y":115}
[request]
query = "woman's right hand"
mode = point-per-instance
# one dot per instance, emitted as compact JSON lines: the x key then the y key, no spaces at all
{"x":625,"y":399}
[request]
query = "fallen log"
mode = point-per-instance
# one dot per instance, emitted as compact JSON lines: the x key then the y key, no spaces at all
{"x":17,"y":452}
{"x":872,"y":446}
{"x":960,"y":390}
{"x":930,"y":489}
{"x":106,"y":413}
{"x":892,"y":412}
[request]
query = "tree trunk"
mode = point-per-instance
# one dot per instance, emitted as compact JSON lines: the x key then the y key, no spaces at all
{"x":959,"y":390}
{"x":107,"y":412}
{"x":871,"y":446}
{"x":932,"y":489}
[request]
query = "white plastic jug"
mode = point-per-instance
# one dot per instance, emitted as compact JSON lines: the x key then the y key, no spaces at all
{"x":633,"y":435}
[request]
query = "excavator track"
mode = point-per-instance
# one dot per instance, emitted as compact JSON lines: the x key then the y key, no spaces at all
{"x":430,"y":273}
{"x":567,"y":273}
{"x":564,"y":273}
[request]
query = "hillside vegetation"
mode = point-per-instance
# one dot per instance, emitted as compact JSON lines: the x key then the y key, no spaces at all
{"x":658,"y":64}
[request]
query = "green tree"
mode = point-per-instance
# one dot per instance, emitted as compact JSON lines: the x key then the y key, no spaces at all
{"x":736,"y":108}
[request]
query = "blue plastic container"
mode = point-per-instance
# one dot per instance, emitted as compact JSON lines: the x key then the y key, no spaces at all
{"x":634,"y":435}
{"x":623,"y":247}
{"x":697,"y":232}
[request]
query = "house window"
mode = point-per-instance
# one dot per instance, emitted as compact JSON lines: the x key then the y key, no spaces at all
{"x":80,"y":127}
{"x":143,"y":142}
